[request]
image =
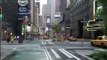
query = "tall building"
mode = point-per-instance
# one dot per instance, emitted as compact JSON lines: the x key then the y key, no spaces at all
{"x":48,"y":15}
{"x":36,"y":15}
{"x":9,"y":8}
{"x":32,"y":11}
{"x":57,"y":12}
{"x":81,"y":12}
{"x":44,"y":14}
{"x":57,"y":5}
{"x":13,"y":14}
{"x":63,"y":5}
{"x":51,"y":6}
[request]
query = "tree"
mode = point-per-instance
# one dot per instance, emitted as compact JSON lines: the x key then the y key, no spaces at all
{"x":104,"y":14}
{"x":56,"y":28}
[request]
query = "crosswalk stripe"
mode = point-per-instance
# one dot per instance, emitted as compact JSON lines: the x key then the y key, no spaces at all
{"x":46,"y":55}
{"x":54,"y":52}
{"x":69,"y":56}
{"x":42,"y":41}
{"x":50,"y":42}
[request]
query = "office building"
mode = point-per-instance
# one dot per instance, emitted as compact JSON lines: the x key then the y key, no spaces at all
{"x":81,"y":12}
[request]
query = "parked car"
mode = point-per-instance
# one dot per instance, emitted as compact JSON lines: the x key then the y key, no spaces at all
{"x":100,"y":41}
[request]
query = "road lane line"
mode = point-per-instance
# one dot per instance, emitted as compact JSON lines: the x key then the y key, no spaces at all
{"x":46,"y":55}
{"x":55,"y":54}
{"x":14,"y":49}
{"x":42,"y":41}
{"x":69,"y":56}
{"x":49,"y":42}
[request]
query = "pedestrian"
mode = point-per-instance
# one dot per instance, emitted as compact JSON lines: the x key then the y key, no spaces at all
{"x":8,"y":39}
{"x":12,"y":39}
{"x":20,"y":40}
{"x":62,"y":38}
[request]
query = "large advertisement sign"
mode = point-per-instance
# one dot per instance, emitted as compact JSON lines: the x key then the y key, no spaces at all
{"x":22,"y":2}
{"x":99,"y":10}
{"x":22,"y":9}
{"x":48,"y":21}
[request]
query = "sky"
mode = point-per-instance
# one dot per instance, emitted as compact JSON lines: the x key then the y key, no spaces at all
{"x":41,"y":4}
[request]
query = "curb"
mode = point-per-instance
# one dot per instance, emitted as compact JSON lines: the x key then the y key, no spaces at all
{"x":80,"y":48}
{"x":7,"y":56}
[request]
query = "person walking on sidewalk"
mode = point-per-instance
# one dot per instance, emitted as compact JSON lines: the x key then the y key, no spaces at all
{"x":62,"y":38}
{"x":12,"y":39}
{"x":8,"y":39}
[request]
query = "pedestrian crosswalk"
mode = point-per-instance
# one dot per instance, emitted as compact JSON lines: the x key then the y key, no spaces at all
{"x":65,"y":53}
{"x":55,"y":53}
{"x":61,"y":54}
{"x":58,"y":53}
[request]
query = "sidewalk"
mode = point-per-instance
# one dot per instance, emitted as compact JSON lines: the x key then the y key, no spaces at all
{"x":8,"y":48}
{"x":5,"y":52}
{"x":31,"y":49}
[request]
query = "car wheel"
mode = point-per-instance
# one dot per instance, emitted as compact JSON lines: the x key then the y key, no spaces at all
{"x":102,"y":45}
{"x":92,"y":44}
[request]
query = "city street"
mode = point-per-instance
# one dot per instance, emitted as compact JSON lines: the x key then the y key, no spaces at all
{"x":53,"y":29}
{"x":48,"y":50}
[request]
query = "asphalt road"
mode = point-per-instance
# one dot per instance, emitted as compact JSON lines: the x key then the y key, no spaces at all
{"x":58,"y":51}
{"x":48,"y":50}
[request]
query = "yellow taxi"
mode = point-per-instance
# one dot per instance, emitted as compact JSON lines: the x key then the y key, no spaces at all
{"x":100,"y":41}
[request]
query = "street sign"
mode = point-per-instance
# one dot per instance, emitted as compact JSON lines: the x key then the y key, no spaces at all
{"x":22,"y":2}
{"x":22,"y":10}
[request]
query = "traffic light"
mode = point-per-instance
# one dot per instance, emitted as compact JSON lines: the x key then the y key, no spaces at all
{"x":23,"y":28}
{"x":0,"y":13}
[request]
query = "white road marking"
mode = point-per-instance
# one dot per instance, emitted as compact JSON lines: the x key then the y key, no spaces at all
{"x":42,"y":41}
{"x":49,"y":42}
{"x":46,"y":55}
{"x":54,"y":52}
{"x":14,"y":49}
{"x":69,"y":56}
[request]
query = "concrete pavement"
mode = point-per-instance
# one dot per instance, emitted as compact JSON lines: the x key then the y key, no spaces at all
{"x":9,"y":48}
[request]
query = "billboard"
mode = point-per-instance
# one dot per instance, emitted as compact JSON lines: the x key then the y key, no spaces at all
{"x":22,"y":9}
{"x":99,"y":10}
